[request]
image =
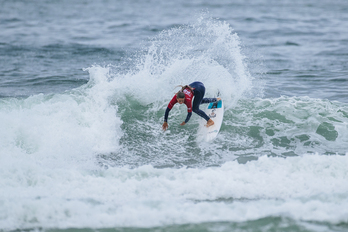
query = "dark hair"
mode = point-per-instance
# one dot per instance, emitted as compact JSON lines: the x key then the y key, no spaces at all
{"x":180,"y":95}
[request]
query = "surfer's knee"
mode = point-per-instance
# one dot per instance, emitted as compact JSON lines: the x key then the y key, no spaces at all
{"x":195,"y":110}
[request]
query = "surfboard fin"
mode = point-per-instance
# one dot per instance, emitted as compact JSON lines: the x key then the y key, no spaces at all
{"x":218,"y":93}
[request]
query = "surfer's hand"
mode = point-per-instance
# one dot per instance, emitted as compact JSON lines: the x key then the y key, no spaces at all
{"x":218,"y":99}
{"x":164,"y":126}
{"x":183,"y":123}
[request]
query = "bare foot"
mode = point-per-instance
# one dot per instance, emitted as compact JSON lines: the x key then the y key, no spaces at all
{"x":209,"y":123}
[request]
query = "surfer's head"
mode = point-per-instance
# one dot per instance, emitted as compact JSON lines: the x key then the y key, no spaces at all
{"x":180,"y":97}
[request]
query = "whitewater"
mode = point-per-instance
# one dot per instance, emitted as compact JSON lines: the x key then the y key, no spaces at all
{"x":95,"y":156}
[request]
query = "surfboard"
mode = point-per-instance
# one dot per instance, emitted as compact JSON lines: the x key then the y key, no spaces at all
{"x":215,"y":110}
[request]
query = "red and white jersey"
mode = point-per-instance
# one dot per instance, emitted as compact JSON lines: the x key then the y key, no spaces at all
{"x":188,"y":100}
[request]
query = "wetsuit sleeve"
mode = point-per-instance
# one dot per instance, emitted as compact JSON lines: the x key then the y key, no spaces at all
{"x":170,"y":106}
{"x":188,"y":117}
{"x":166,"y":114}
{"x":208,"y":100}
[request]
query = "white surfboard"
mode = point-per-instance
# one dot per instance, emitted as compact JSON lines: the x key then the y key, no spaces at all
{"x":215,"y":110}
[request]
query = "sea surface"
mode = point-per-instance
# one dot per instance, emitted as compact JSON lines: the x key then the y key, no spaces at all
{"x":83,"y":90}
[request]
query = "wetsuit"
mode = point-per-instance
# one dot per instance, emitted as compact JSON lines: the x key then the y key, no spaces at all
{"x":198,"y":94}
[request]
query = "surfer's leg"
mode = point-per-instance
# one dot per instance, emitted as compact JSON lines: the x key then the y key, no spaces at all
{"x":201,"y":113}
{"x":208,"y":100}
{"x":200,"y":90}
{"x":197,"y":85}
{"x":199,"y":93}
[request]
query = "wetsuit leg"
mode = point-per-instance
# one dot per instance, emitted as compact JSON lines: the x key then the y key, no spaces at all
{"x":199,"y":92}
{"x":208,"y":100}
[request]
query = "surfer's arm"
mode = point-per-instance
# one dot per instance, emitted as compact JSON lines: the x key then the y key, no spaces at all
{"x":189,"y":111}
{"x":166,"y":114}
{"x":165,"y":123}
{"x":169,"y":107}
{"x":188,"y":117}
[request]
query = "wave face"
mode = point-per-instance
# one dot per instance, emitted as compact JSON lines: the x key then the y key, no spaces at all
{"x":95,"y":156}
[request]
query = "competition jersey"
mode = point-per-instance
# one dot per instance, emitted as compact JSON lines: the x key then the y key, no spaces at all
{"x":188,"y":100}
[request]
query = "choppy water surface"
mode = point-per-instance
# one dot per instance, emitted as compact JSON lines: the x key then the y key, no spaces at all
{"x":84,"y":86}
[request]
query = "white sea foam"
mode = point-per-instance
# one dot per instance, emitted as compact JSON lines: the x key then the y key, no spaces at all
{"x":49,"y":147}
{"x":311,"y":188}
{"x":66,"y":129}
{"x":290,"y":124}
{"x":207,"y":51}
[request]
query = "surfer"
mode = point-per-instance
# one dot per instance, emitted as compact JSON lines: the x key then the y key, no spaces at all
{"x":185,"y":95}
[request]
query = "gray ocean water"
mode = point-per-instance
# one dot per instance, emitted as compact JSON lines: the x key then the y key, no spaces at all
{"x":83,"y":90}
